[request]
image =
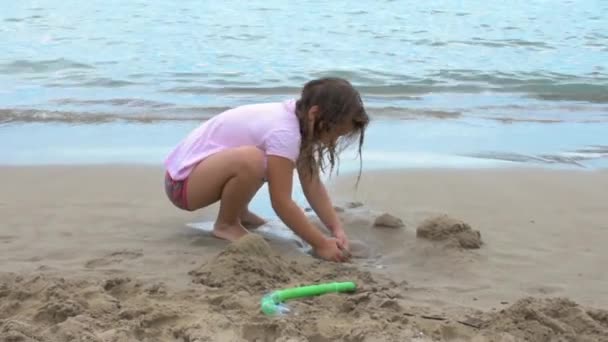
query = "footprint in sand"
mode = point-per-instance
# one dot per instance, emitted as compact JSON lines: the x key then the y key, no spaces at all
{"x":114,"y":258}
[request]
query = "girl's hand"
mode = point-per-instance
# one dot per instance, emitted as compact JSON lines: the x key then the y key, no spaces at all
{"x":341,"y":238}
{"x":331,"y":251}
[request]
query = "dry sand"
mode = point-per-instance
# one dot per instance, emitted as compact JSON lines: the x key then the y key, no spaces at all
{"x":98,"y":254}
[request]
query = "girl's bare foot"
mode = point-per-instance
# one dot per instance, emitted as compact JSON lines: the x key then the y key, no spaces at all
{"x":229,"y":232}
{"x":251,"y":220}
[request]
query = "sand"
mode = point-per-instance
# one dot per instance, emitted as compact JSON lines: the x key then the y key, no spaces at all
{"x":97,"y":254}
{"x":451,"y":231}
{"x":389,"y":221}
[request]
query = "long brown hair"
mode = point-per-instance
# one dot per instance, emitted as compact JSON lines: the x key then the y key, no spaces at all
{"x":338,"y":102}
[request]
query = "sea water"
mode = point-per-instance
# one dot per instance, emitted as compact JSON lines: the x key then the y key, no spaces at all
{"x":463,"y":84}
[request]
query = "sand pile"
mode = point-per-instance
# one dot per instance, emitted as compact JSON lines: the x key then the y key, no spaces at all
{"x":555,"y":319}
{"x":250,"y":255}
{"x":389,"y":221}
{"x":250,"y":264}
{"x":453,"y":231}
{"x":43,"y":308}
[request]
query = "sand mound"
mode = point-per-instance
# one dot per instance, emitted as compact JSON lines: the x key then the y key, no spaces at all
{"x":250,"y":264}
{"x":556,"y":319}
{"x":247,"y":264}
{"x":445,"y":228}
{"x":388,"y":221}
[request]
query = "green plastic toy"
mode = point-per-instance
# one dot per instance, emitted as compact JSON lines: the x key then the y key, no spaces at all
{"x":272,"y":303}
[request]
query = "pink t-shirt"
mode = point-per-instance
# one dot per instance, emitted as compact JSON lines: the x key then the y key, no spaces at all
{"x":271,"y":127}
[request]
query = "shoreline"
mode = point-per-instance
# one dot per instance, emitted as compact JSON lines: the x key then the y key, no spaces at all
{"x":454,"y":143}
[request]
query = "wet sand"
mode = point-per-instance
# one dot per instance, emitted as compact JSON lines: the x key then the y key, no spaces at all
{"x":544,"y":232}
{"x":98,"y":253}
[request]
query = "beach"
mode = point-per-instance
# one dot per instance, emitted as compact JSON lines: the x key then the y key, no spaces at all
{"x":482,"y":212}
{"x":97,"y":253}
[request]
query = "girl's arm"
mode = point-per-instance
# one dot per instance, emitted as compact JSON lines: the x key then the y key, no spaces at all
{"x":280,"y":184}
{"x":319,"y":200}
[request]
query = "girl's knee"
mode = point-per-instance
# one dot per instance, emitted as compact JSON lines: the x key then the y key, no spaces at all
{"x":252,"y":161}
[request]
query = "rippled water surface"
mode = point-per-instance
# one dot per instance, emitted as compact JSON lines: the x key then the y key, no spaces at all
{"x":523,"y":63}
{"x":158,"y":55}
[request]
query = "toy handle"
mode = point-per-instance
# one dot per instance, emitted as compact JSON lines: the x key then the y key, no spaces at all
{"x":314,"y":290}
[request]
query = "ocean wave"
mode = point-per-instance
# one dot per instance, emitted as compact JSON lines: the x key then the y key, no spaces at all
{"x":528,"y":158}
{"x":502,"y":43}
{"x":126,"y":102}
{"x":595,"y":93}
{"x":42,"y":66}
{"x":510,"y":120}
{"x":549,"y":106}
{"x":540,"y":85}
{"x":575,"y":158}
{"x":151,"y":111}
{"x":101,"y":82}
{"x":594,"y":149}
{"x":589,"y":87}
{"x":23,"y":19}
{"x":393,"y":91}
{"x":412,"y":113}
{"x":8,"y":116}
{"x":148,"y":111}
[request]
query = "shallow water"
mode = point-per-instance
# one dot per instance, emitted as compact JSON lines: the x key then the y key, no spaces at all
{"x":475,"y":143}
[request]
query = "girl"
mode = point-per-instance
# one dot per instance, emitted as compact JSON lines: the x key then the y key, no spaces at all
{"x":231,"y":155}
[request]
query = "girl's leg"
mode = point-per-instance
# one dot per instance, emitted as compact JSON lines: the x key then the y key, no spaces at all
{"x":250,"y":220}
{"x":233,"y":177}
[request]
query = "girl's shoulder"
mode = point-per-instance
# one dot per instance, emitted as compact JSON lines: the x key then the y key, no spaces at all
{"x":283,"y":137}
